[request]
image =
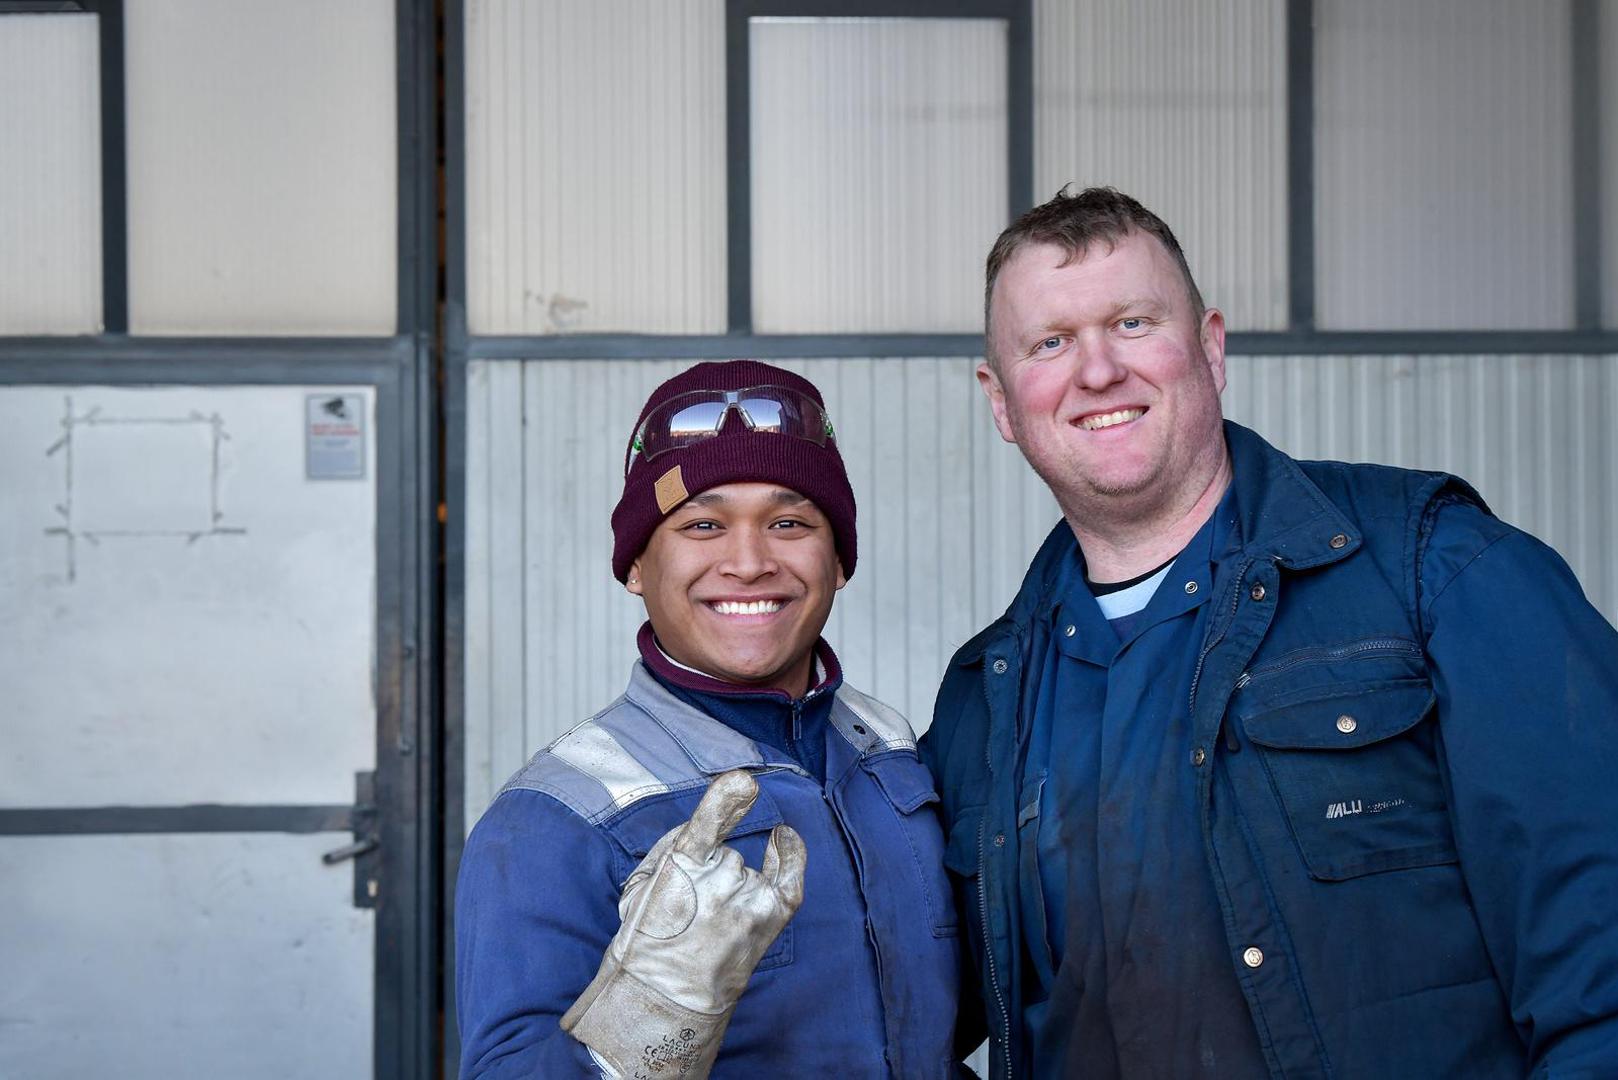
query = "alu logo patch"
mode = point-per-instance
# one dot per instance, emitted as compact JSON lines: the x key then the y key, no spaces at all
{"x":1350,"y":807}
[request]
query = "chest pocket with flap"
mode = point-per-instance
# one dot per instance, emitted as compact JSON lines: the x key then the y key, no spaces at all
{"x":908,"y":788}
{"x":1353,"y":762}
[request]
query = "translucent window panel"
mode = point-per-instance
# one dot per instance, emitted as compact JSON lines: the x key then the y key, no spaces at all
{"x":595,"y":166}
{"x":1442,"y":164}
{"x":1182,"y":105}
{"x":187,"y":618}
{"x":50,"y":175}
{"x":262,"y":177}
{"x":878,"y":171}
{"x":196,"y":955}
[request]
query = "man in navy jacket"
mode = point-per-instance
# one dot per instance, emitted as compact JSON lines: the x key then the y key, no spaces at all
{"x":1281,"y":768}
{"x":736,"y":527}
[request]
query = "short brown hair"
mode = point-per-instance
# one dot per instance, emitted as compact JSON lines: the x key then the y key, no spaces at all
{"x":1073,"y":222}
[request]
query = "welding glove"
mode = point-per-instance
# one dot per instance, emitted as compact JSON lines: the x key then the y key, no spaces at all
{"x":695,"y":922}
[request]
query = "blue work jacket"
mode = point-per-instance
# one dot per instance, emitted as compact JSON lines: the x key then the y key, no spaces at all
{"x":862,"y":982}
{"x":1408,"y":788}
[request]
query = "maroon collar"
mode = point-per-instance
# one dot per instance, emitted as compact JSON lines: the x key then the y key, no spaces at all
{"x":670,"y":672}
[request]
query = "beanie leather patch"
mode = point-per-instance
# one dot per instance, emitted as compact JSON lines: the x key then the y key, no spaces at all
{"x":670,"y":490}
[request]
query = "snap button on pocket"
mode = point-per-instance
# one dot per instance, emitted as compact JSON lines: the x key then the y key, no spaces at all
{"x":1258,"y":591}
{"x":1339,"y":541}
{"x":1198,"y":756}
{"x":1253,"y":957}
{"x":1190,"y":588}
{"x":1000,"y":667}
{"x":1346,"y":724}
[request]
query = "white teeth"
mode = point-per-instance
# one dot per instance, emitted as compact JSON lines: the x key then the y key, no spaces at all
{"x":1107,"y":420}
{"x":745,"y":607}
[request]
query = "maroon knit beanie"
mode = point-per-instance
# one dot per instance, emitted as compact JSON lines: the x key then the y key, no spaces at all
{"x":735,"y":455}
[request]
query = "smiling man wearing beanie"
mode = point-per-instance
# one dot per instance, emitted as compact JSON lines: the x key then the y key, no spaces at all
{"x":736,"y":866}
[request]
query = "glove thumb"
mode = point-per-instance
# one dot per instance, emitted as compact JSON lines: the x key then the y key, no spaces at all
{"x":785,"y":860}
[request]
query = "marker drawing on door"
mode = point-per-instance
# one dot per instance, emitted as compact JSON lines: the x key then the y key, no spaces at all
{"x":126,"y":477}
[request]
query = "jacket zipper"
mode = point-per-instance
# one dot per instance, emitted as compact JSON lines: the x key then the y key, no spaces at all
{"x":1371,"y":647}
{"x":797,"y":713}
{"x":1235,"y":600}
{"x":988,"y":945}
{"x":983,"y":886}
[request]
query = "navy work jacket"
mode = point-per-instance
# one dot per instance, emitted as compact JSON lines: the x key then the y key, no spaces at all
{"x":862,"y":982}
{"x":1408,"y":791}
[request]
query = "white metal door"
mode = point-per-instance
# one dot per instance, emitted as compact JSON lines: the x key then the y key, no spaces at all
{"x":187,"y":646}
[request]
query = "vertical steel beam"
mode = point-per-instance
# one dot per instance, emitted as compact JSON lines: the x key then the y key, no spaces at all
{"x":1020,"y":108}
{"x":1585,"y":72}
{"x":1300,"y":64}
{"x":738,"y":170}
{"x":114,"y":168}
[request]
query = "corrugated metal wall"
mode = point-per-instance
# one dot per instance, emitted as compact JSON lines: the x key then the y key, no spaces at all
{"x":595,"y":166}
{"x":1442,"y":164}
{"x":50,"y":168}
{"x":1184,"y":107}
{"x":949,"y":514}
{"x":866,"y":133}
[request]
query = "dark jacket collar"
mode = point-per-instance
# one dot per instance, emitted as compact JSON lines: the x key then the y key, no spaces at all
{"x":1284,"y":516}
{"x":659,"y":663}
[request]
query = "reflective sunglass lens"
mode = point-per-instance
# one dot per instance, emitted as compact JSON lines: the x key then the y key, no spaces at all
{"x":767,"y":415}
{"x":696,"y":420}
{"x":781,"y":412}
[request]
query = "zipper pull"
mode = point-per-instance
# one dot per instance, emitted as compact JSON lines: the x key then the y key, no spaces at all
{"x":1242,"y":680}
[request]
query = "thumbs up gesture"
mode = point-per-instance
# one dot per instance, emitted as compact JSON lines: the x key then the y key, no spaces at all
{"x":695,"y":921}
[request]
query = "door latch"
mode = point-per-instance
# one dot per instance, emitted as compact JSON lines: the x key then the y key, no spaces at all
{"x":363,"y":846}
{"x":363,"y":822}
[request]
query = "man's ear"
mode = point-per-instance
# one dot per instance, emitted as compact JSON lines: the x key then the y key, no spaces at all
{"x":1213,"y":344}
{"x":842,"y":578}
{"x":989,"y":380}
{"x":633,"y":583}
